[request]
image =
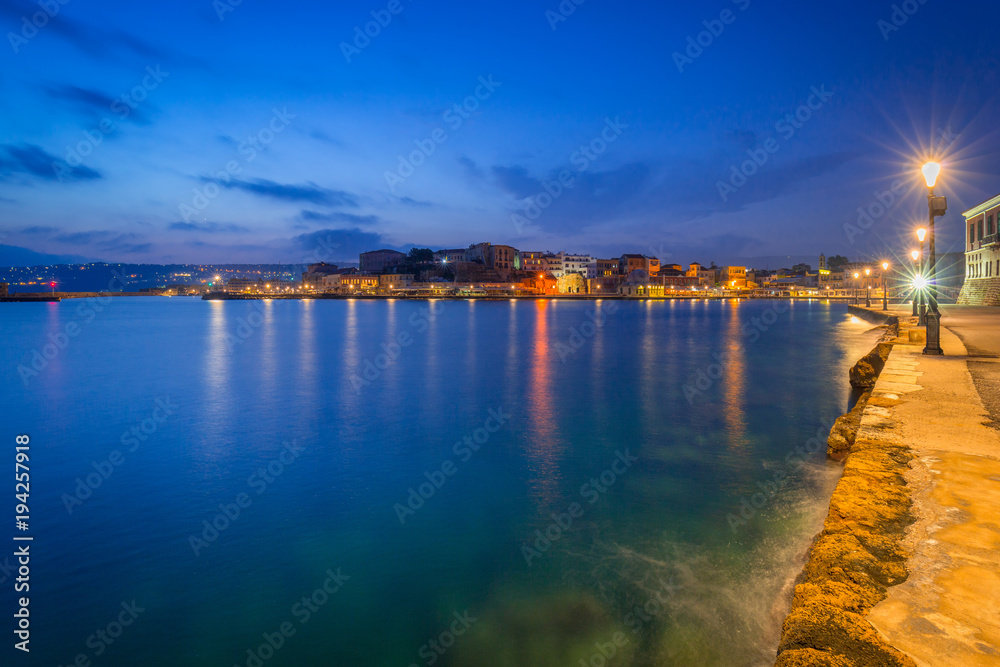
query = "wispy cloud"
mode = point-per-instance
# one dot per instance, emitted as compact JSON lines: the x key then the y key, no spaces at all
{"x":308,"y":192}
{"x":39,"y":231}
{"x":208,"y":227}
{"x":34,"y":161}
{"x":338,"y":216}
{"x":89,"y":101}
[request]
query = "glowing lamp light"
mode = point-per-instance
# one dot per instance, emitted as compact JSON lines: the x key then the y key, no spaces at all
{"x":921,"y":234}
{"x":920,"y":282}
{"x":885,"y":266}
{"x":856,"y":274}
{"x":931,"y":172}
{"x":868,"y":272}
{"x":915,"y":255}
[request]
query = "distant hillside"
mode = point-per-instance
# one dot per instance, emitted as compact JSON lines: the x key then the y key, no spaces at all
{"x":15,"y":256}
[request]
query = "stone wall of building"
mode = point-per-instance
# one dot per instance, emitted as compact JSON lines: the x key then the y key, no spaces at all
{"x":980,"y":292}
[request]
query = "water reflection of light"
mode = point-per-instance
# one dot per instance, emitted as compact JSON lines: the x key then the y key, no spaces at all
{"x":543,"y":445}
{"x":352,"y":364}
{"x":267,"y":357}
{"x":734,"y":381}
{"x":218,"y":363}
{"x":308,"y":367}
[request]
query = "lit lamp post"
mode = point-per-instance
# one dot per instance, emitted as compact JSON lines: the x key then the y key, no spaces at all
{"x":856,"y":274}
{"x":937,"y":206}
{"x":868,"y":288}
{"x":916,"y":297}
{"x":921,"y":235}
{"x":885,"y":294}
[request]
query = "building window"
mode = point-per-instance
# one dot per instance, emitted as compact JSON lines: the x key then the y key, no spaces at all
{"x":972,"y":234}
{"x":980,"y":230}
{"x":989,"y":225}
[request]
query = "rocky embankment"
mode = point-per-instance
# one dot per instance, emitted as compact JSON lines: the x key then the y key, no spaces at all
{"x":859,"y":553}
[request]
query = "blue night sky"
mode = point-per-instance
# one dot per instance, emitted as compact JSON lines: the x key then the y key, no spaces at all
{"x":327,"y":131}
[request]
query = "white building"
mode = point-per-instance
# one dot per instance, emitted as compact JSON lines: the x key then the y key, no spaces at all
{"x":982,"y":255}
{"x":575,"y":263}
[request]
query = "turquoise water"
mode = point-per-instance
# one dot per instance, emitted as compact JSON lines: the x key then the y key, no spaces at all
{"x":651,"y":445}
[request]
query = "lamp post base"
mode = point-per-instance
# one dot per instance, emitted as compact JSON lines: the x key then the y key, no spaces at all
{"x":933,"y":333}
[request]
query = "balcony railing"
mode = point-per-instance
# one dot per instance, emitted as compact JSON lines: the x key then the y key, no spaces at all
{"x":990,"y":239}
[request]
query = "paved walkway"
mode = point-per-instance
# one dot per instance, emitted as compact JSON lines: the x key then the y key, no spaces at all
{"x":948,"y":611}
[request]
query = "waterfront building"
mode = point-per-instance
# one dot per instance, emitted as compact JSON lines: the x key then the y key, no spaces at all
{"x":395,"y":281}
{"x":504,"y":259}
{"x":4,"y":289}
{"x":982,"y":255}
{"x":706,"y":275}
{"x":733,"y":277}
{"x":672,"y":281}
{"x":532,"y":261}
{"x":479,"y":253}
{"x":377,"y":261}
{"x":314,"y":273}
{"x":552,"y":264}
{"x":358,"y":283}
{"x":450,"y":256}
{"x":602,"y":268}
{"x":575,"y":263}
{"x":629,"y":262}
{"x":571,"y":283}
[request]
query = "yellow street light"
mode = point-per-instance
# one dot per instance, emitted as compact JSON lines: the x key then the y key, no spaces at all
{"x":921,"y":234}
{"x":915,"y":255}
{"x":931,"y":172}
{"x":885,"y":266}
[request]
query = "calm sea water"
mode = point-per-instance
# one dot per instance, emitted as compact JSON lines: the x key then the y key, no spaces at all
{"x":514,"y":484}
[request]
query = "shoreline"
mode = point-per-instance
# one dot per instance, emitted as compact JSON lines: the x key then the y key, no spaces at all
{"x":859,"y":554}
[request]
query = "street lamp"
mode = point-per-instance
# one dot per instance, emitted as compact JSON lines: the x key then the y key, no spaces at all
{"x":868,"y":288}
{"x":856,"y":274}
{"x":885,"y":294}
{"x":916,"y":298}
{"x":936,"y":206}
{"x":921,"y":235}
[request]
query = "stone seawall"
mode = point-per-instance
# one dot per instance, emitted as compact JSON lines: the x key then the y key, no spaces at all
{"x":859,"y":554}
